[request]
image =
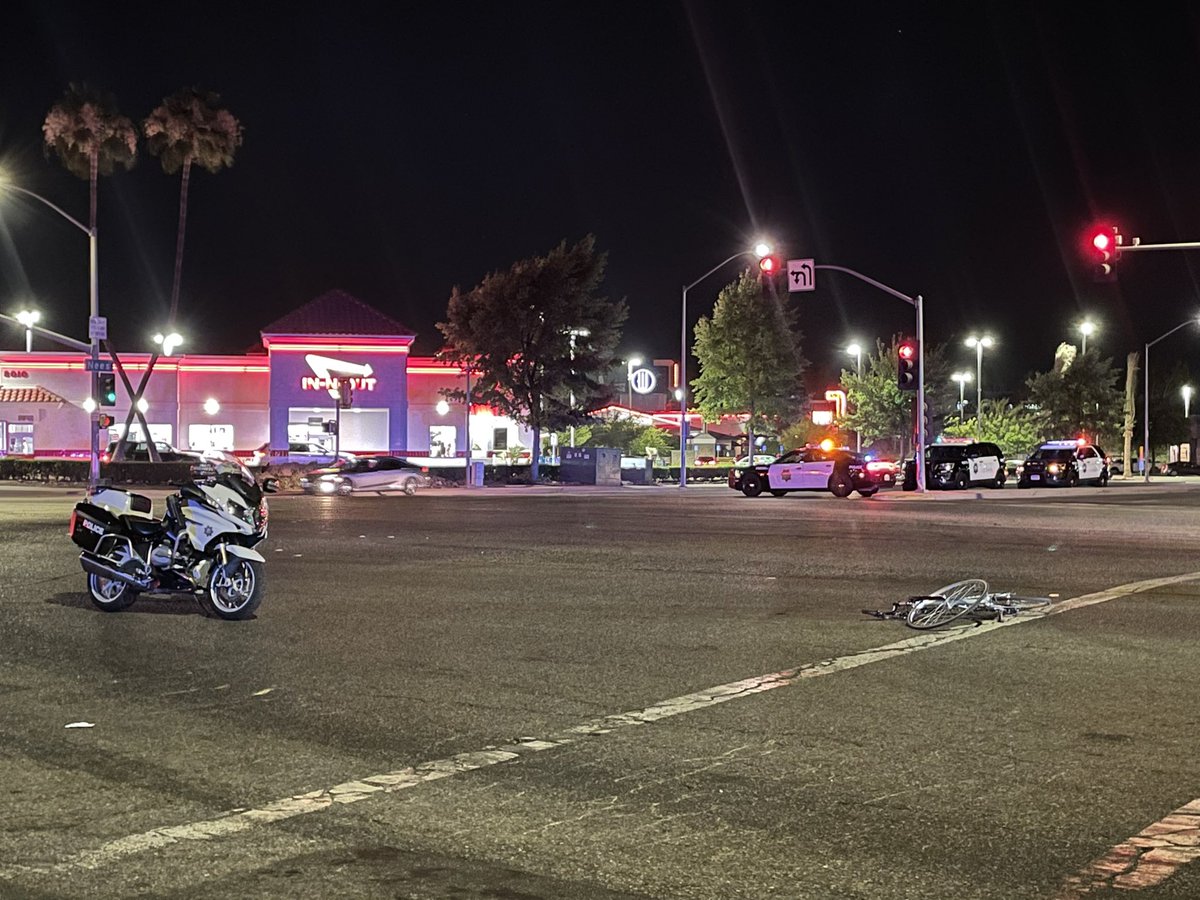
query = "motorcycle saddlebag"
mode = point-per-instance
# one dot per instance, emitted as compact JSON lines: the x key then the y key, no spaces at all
{"x":90,"y":523}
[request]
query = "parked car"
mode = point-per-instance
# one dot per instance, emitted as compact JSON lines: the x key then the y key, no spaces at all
{"x":367,"y":473}
{"x":1064,"y":463}
{"x":706,"y":460}
{"x":885,"y":472}
{"x":808,"y":469}
{"x":1179,"y":468}
{"x":760,"y":459}
{"x":138,"y":451}
{"x":957,"y":466}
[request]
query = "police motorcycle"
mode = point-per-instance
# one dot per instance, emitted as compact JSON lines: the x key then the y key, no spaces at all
{"x":203,"y":545}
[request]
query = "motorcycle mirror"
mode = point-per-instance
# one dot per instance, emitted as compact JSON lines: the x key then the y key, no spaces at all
{"x":270,"y":486}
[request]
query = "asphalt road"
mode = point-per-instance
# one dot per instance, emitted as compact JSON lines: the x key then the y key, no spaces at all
{"x":537,"y":693}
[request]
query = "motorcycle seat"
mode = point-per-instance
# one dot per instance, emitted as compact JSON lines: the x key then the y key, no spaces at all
{"x":142,"y":527}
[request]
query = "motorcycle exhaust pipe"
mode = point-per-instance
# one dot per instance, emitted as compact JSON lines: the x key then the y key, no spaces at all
{"x":97,"y":565}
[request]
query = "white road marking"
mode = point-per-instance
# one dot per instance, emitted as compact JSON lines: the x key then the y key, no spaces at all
{"x":1147,"y":859}
{"x":235,"y":821}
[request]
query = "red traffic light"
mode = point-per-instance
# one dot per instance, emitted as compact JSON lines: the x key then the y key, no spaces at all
{"x":1104,"y":249}
{"x":105,"y":421}
{"x":768,"y":265}
{"x":907,"y":351}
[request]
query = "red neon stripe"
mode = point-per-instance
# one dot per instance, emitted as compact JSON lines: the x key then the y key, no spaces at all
{"x":340,"y":348}
{"x":224,"y":368}
{"x":434,"y":370}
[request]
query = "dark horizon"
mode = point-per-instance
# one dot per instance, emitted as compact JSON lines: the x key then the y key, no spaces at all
{"x":396,"y":152}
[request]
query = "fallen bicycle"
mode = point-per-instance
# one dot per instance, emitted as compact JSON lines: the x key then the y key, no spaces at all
{"x":970,"y":599}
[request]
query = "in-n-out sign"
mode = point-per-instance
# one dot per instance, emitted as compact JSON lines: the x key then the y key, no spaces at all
{"x":315,"y":383}
{"x":330,"y":373}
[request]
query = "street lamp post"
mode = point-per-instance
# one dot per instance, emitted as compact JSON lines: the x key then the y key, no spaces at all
{"x":28,"y":318}
{"x":1086,"y":327}
{"x":93,"y":313}
{"x":979,"y":343}
{"x":855,"y":350}
{"x":759,"y":251}
{"x":963,"y":378}
{"x":574,"y":332}
{"x":1146,"y":396}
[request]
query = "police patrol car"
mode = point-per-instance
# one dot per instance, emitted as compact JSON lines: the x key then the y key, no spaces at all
{"x":809,"y":469}
{"x":1064,"y":463}
{"x":959,"y":465}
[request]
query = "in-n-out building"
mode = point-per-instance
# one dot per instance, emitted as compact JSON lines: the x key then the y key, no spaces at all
{"x":281,"y":397}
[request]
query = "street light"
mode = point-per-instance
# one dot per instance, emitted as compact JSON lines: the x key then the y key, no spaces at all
{"x":855,"y":350}
{"x":1186,"y":390}
{"x":1146,"y":395}
{"x":979,"y":343}
{"x":169,"y":342}
{"x":93,"y":310}
{"x":963,"y":378}
{"x":760,"y":250}
{"x":28,"y":318}
{"x":1086,"y":327}
{"x":630,"y":365}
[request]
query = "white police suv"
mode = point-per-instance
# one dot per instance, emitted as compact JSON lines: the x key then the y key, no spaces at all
{"x":1064,"y":463}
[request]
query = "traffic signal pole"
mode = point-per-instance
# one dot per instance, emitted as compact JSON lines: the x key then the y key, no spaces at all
{"x":918,"y":304}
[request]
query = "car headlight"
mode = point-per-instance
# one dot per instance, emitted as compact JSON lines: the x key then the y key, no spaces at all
{"x":1052,"y":468}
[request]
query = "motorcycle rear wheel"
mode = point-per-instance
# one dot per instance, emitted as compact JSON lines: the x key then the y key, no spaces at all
{"x":235,"y":594}
{"x":109,"y":594}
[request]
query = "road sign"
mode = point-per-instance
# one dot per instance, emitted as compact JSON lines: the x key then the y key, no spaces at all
{"x":98,"y":328}
{"x":802,"y":275}
{"x":97,"y":365}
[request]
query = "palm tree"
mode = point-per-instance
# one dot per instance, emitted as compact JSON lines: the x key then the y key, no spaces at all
{"x":190,"y":127}
{"x":90,"y":137}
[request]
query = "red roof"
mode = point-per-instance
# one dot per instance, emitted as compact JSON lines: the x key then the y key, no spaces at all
{"x":29,"y":395}
{"x":337,"y":312}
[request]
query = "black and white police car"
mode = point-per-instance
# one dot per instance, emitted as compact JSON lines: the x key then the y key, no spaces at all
{"x":809,"y":469}
{"x":959,"y":465}
{"x":1064,"y":463}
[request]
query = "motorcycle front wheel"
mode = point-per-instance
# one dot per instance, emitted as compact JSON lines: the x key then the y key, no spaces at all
{"x":236,"y":590}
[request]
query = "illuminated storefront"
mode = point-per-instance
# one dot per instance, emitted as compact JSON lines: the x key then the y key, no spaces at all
{"x":283,"y":397}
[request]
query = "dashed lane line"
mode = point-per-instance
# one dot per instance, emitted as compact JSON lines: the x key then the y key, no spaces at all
{"x":240,"y":820}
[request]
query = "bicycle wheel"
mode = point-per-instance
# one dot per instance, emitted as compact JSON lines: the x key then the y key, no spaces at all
{"x":946,"y":604}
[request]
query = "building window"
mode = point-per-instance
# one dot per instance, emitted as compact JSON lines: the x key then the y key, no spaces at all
{"x":442,"y":440}
{"x":210,"y":437}
{"x":363,"y":430}
{"x":500,"y":439}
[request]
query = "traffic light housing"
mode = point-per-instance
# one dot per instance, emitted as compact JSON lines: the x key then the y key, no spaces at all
{"x":104,"y":421}
{"x":1104,"y":246}
{"x":345,"y":394}
{"x":106,"y":389}
{"x":908,"y":361}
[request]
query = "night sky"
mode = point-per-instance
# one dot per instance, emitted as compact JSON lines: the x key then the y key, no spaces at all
{"x":395,"y":150}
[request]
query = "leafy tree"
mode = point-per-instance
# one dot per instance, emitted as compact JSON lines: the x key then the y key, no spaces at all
{"x":537,"y":337}
{"x":190,"y":127}
{"x":1079,"y":396}
{"x":1014,"y":428}
{"x":628,"y":435}
{"x":89,"y":137}
{"x":879,"y":410}
{"x":750,"y":359}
